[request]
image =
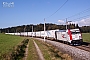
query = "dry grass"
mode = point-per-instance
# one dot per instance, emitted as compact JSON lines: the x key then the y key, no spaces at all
{"x":48,"y":51}
{"x":52,"y":52}
{"x":32,"y":54}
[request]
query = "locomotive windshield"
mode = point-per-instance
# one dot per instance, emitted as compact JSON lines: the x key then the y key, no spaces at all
{"x":75,"y":32}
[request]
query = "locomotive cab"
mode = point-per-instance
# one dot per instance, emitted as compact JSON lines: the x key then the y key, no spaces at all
{"x":74,"y":36}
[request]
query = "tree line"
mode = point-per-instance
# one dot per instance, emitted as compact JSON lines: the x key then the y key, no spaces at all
{"x":40,"y":27}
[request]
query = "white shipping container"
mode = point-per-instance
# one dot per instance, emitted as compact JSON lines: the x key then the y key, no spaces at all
{"x":33,"y":33}
{"x":25,"y":33}
{"x":43,"y":34}
{"x":51,"y":33}
{"x":61,"y":35}
{"x":29,"y":33}
{"x":38,"y":34}
{"x":22,"y":33}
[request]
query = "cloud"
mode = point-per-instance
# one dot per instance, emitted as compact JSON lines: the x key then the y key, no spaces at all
{"x":84,"y":22}
{"x":61,"y":22}
{"x":64,"y":22}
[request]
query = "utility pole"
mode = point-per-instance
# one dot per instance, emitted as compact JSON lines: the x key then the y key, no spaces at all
{"x":8,"y":30}
{"x":67,"y":28}
{"x":27,"y":32}
{"x":24,"y":30}
{"x":32,"y":30}
{"x":16,"y":31}
{"x":66,"y":23}
{"x":44,"y":29}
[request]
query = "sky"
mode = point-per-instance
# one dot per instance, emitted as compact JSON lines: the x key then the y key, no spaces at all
{"x":25,"y":12}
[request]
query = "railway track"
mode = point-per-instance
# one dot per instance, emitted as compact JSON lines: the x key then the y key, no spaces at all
{"x":85,"y":46}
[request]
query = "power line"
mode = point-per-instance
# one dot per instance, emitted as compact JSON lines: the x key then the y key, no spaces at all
{"x":84,"y":17}
{"x":87,"y":10}
{"x":58,"y":9}
{"x":81,"y":15}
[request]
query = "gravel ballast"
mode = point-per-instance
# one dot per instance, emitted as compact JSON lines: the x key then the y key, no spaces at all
{"x":76,"y":53}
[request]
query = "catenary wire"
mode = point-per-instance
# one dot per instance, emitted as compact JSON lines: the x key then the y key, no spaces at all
{"x":58,"y":9}
{"x":82,"y":12}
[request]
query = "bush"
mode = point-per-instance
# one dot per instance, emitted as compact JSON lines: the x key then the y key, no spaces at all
{"x":17,"y":53}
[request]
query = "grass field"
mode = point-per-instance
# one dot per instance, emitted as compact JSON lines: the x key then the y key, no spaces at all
{"x":7,"y":42}
{"x":32,"y":54}
{"x":47,"y":51}
{"x":86,"y":37}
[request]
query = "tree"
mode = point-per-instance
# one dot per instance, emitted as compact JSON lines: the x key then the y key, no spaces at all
{"x":77,"y":26}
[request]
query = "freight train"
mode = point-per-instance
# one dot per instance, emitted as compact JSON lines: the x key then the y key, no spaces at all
{"x":70,"y":36}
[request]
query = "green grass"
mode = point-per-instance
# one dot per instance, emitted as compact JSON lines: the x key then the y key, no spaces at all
{"x":86,"y":37}
{"x":7,"y":42}
{"x":44,"y":49}
{"x":47,"y":51}
{"x":32,"y":54}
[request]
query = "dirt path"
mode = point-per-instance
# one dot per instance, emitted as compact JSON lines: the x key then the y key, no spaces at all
{"x":38,"y":51}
